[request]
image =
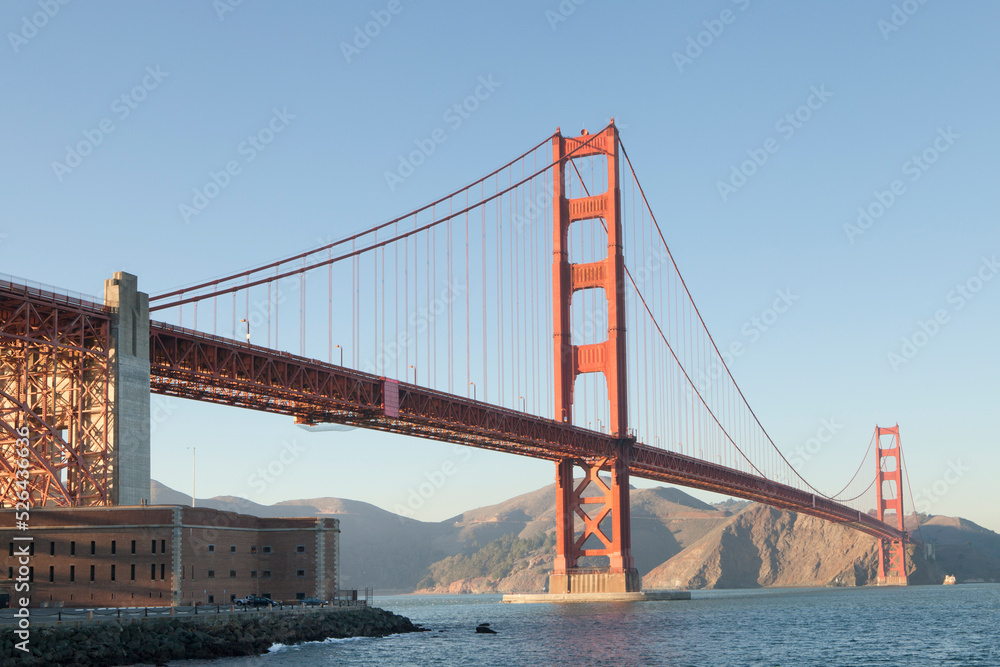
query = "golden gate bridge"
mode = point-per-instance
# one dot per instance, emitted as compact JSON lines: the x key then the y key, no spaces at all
{"x":537,"y":311}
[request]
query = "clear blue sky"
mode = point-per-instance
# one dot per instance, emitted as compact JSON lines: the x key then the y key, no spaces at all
{"x":208,"y":77}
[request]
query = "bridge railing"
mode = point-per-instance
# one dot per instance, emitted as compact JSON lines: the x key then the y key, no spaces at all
{"x":48,"y":292}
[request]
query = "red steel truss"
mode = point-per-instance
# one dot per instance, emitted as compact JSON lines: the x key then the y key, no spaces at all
{"x":54,"y":380}
{"x":889,"y":493}
{"x":199,"y":366}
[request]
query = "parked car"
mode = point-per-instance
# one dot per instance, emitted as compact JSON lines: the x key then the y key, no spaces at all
{"x":255,"y":601}
{"x":311,"y":602}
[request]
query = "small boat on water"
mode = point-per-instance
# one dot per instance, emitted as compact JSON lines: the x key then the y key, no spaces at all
{"x":949,"y":580}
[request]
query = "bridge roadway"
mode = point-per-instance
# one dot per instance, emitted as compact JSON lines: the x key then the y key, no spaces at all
{"x":194,"y":365}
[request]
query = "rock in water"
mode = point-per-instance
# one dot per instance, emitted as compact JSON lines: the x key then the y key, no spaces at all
{"x":484,"y":629}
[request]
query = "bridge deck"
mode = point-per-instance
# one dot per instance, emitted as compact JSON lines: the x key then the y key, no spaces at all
{"x":199,"y":366}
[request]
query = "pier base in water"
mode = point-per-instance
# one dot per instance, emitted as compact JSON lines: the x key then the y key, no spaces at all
{"x":641,"y":596}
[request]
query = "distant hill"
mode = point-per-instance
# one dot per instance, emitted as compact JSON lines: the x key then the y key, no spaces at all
{"x":678,"y":541}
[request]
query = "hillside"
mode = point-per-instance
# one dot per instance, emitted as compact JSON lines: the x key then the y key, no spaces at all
{"x":678,"y":541}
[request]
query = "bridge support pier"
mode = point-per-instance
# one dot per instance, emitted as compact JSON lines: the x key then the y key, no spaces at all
{"x":607,"y":520}
{"x":889,"y":480}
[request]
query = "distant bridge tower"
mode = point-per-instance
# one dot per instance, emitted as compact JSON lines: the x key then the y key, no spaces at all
{"x":889,"y":490}
{"x":611,"y":507}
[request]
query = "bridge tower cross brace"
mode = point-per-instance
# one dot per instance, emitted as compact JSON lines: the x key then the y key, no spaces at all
{"x":891,"y":553}
{"x":607,"y":357}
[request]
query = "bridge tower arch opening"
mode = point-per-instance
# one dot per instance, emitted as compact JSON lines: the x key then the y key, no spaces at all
{"x":889,"y":492}
{"x":604,"y":514}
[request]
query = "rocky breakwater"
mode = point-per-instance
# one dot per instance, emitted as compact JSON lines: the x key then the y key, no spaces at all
{"x":158,"y":640}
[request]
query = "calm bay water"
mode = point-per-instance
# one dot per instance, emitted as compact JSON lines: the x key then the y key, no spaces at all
{"x":925,"y":625}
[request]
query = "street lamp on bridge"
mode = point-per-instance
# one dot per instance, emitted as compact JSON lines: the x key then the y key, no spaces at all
{"x":414,"y":373}
{"x":338,"y":347}
{"x":473,"y":390}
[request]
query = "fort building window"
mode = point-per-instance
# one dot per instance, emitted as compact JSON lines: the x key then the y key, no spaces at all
{"x":112,"y":572}
{"x":72,"y":548}
{"x":72,"y":572}
{"x":211,"y":574}
{"x":300,"y":549}
{"x":114,"y":548}
{"x":93,"y":547}
{"x":266,"y":550}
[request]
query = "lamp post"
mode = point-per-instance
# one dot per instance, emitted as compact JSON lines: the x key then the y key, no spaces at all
{"x":414,"y":373}
{"x":473,"y":390}
{"x":338,"y":347}
{"x":248,"y":329}
{"x":523,"y":404}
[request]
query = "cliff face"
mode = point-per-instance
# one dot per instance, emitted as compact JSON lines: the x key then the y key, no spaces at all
{"x":762,"y":546}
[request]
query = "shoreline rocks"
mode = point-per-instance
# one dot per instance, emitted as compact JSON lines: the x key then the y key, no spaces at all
{"x":160,"y":640}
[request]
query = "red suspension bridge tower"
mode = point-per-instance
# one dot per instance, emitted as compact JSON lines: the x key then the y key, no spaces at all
{"x":889,"y":483}
{"x":604,"y":517}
